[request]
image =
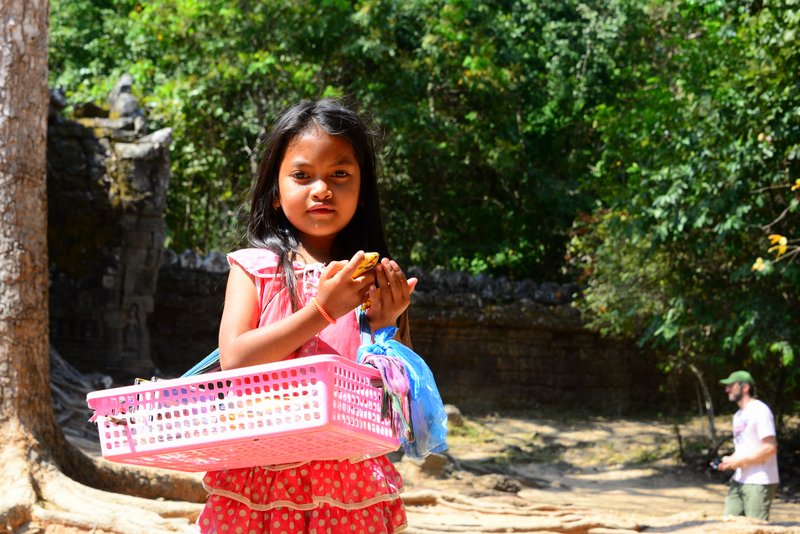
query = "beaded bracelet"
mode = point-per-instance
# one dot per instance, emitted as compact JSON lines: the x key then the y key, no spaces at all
{"x":322,"y":310}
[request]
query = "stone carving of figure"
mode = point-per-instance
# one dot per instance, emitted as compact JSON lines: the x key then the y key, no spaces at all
{"x":132,"y":331}
{"x":124,"y":104}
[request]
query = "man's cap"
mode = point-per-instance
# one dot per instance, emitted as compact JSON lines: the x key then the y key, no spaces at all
{"x":738,"y":376}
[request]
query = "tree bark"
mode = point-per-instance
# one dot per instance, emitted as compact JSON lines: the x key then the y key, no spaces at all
{"x":24,"y":353}
{"x":35,"y":456}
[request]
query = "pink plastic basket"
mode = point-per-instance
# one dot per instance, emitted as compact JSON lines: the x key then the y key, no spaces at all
{"x":315,"y":408}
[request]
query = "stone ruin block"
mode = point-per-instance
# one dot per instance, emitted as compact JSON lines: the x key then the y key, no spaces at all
{"x":106,"y":185}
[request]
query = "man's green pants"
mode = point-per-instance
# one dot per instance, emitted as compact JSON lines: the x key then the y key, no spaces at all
{"x":751,"y":500}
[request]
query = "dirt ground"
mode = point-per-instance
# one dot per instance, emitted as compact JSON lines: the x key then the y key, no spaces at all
{"x":577,"y":475}
{"x":520,"y":473}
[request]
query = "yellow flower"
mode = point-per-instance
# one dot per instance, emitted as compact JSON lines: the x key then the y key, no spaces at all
{"x":779,"y":243}
{"x":796,"y":185}
{"x":759,"y":265}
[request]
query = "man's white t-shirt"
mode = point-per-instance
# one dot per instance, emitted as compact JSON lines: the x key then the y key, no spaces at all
{"x":750,"y":425}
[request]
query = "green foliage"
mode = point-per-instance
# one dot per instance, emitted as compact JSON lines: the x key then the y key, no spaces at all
{"x":484,"y":106}
{"x":491,"y":161}
{"x":673,"y":125}
{"x":697,"y":163}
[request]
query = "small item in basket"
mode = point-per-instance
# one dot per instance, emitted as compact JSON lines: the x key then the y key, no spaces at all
{"x":137,"y":381}
{"x":129,"y":416}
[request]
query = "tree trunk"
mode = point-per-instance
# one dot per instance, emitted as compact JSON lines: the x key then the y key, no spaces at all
{"x":35,"y":455}
{"x":23,"y":212}
{"x":707,"y":402}
{"x":25,"y":414}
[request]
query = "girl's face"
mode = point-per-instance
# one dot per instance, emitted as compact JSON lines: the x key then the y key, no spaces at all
{"x":318,"y":186}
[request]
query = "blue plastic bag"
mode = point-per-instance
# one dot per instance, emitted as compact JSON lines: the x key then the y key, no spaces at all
{"x":428,"y":417}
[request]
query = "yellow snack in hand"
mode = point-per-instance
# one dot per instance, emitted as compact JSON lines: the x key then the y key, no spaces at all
{"x":370,"y":260}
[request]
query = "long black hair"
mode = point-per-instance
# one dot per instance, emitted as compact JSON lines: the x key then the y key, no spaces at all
{"x":268,"y":226}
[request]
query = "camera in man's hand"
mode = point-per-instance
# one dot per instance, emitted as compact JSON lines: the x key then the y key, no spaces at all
{"x":715,"y":463}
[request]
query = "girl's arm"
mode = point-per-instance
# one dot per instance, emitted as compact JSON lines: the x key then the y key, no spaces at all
{"x":243,"y":343}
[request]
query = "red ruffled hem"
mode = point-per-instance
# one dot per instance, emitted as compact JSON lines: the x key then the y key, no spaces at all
{"x":224,"y":515}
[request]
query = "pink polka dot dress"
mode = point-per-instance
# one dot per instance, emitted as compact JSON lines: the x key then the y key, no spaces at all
{"x":317,"y":496}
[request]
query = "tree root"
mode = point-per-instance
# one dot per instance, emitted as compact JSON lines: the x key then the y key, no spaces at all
{"x":41,"y":497}
{"x":438,"y":512}
{"x":69,"y":402}
{"x":149,"y":482}
{"x":67,"y":494}
{"x":16,"y":501}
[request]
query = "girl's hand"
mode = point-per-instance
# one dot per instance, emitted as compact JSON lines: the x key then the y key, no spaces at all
{"x":338,"y":292}
{"x":391,"y":298}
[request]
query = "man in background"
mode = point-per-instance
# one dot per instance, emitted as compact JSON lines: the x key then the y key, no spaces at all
{"x":755,"y":460}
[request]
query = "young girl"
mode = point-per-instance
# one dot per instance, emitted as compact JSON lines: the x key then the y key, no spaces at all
{"x":314,"y":204}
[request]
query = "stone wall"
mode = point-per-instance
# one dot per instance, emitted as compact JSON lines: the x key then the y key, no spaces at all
{"x":106,"y":186}
{"x":184,"y":325}
{"x":497,"y":345}
{"x":492,"y":344}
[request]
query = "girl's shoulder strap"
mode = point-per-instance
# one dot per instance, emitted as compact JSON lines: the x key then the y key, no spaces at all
{"x":259,"y":262}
